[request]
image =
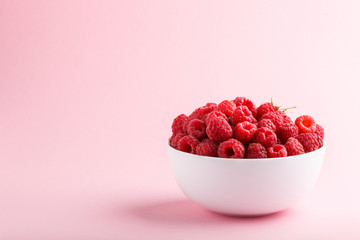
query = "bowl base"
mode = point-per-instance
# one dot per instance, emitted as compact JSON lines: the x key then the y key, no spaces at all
{"x":245,"y":215}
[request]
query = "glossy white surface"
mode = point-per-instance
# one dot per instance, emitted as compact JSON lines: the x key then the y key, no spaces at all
{"x":246,"y":187}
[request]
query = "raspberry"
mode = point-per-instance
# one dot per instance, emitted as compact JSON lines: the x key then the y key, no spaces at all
{"x":306,"y":124}
{"x":286,"y":131}
{"x":207,"y":148}
{"x":244,"y":132}
{"x":277,"y":118}
{"x":267,"y":123}
{"x":294,"y":147}
{"x":310,"y":141}
{"x":200,"y":113}
{"x":320,"y":131}
{"x":265,"y":137}
{"x":286,"y":118}
{"x":242,"y":114}
{"x":214,"y":114}
{"x":277,"y":150}
{"x":175,"y":138}
{"x":265,"y":108}
{"x":242,"y":101}
{"x":187,"y":144}
{"x":227,"y":107}
{"x":178,"y":123}
{"x":231,"y":148}
{"x":256,"y":150}
{"x":219,"y":129}
{"x":197,"y":128}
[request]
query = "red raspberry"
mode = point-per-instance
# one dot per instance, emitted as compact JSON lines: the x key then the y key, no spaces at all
{"x":265,"y":108}
{"x":286,"y":131}
{"x":175,"y":138}
{"x":244,"y":132}
{"x":196,"y":128}
{"x":310,"y":141}
{"x":178,"y":123}
{"x":227,"y":107}
{"x":277,"y":150}
{"x":207,"y":148}
{"x":214,"y":114}
{"x":320,"y":131}
{"x":231,"y":148}
{"x":286,"y":118}
{"x":294,"y":147}
{"x":277,"y":118}
{"x":187,"y":144}
{"x":242,"y":114}
{"x":267,"y":123}
{"x":306,"y":124}
{"x":256,"y":150}
{"x":242,"y":101}
{"x":200,"y":112}
{"x":265,"y":137}
{"x":219,"y":129}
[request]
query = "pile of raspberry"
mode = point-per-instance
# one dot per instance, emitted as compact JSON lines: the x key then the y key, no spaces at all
{"x":238,"y":129}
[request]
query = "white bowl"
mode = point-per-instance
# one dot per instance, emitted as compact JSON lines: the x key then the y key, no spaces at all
{"x":246,"y":187}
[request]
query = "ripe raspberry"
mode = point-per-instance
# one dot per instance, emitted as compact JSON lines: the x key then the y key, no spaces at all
{"x":175,"y":138}
{"x":197,"y":128}
{"x":207,"y":148}
{"x":320,"y":131}
{"x":310,"y":141}
{"x":241,"y":114}
{"x":178,"y":123}
{"x":231,"y":148}
{"x":267,"y":123}
{"x":188,"y":144}
{"x":214,"y":114}
{"x":244,"y":132}
{"x":219,"y":129}
{"x":286,"y":131}
{"x":265,"y":137}
{"x":306,"y":124}
{"x":286,"y":118}
{"x":256,"y":150}
{"x":227,"y":107}
{"x":242,"y":101}
{"x":200,"y":112}
{"x":265,"y":108}
{"x":277,"y":150}
{"x":277,"y":118}
{"x":294,"y":147}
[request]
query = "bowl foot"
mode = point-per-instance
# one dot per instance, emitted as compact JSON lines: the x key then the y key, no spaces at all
{"x":246,"y":215}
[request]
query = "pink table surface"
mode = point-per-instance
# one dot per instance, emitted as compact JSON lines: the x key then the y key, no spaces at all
{"x":88,"y":91}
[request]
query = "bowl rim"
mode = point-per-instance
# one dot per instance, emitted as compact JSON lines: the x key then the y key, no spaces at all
{"x":248,"y":159}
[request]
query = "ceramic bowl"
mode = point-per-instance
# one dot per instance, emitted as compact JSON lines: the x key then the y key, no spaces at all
{"x":246,"y":187}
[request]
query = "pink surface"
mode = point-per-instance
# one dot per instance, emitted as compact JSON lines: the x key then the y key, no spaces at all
{"x":88,"y":90}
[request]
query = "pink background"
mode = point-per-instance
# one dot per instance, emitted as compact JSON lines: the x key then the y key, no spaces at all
{"x":88,"y":91}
